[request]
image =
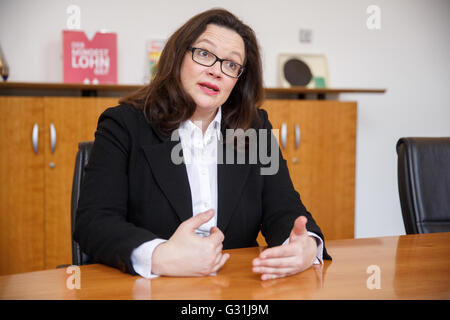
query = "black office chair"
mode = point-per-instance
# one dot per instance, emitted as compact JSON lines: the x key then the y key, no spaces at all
{"x":424,"y":184}
{"x":82,"y":158}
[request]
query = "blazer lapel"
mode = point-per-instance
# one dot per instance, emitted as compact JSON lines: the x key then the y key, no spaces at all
{"x":231,"y":179}
{"x":171,"y":177}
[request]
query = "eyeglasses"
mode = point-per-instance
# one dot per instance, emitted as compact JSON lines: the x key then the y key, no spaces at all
{"x":208,"y":59}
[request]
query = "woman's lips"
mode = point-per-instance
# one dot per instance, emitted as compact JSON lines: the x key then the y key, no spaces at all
{"x":209,"y":88}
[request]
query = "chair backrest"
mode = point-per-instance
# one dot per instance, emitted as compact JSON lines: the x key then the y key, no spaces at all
{"x":82,"y":158}
{"x":424,"y":184}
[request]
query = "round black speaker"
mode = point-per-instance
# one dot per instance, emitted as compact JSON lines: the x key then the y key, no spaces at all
{"x":297,"y":73}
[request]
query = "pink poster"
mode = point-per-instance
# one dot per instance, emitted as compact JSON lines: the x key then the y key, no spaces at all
{"x":90,"y":61}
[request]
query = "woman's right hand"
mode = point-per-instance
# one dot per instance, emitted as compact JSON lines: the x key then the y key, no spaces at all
{"x":188,"y":254}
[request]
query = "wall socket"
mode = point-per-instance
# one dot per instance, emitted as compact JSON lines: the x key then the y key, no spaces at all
{"x":306,"y":35}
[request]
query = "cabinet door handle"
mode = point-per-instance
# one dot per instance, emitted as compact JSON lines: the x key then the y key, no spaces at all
{"x":283,"y":135}
{"x":297,"y":136}
{"x":35,"y":138}
{"x":52,"y":137}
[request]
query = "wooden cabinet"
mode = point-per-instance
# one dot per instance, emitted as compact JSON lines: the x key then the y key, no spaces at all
{"x":319,"y":147}
{"x":36,"y":187}
{"x":21,"y":186}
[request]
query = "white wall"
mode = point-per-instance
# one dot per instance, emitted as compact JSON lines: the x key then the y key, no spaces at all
{"x":409,"y":56}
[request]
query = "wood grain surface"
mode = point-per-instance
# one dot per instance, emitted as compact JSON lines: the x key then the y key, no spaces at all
{"x":409,"y":267}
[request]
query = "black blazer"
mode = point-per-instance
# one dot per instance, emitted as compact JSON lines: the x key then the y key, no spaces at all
{"x":132,"y":193}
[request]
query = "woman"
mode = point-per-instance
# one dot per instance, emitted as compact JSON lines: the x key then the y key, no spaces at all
{"x":143,"y":212}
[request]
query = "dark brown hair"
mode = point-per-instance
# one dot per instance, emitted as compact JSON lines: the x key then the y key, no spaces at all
{"x":165,"y":103}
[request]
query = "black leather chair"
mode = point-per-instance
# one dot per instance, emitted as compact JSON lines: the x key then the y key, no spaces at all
{"x":424,"y":184}
{"x":82,"y":158}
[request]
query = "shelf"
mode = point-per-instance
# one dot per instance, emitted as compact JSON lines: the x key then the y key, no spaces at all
{"x":68,"y":86}
{"x":304,"y":90}
{"x":78,"y":89}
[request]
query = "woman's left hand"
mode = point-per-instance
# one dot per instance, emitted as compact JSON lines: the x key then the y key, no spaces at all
{"x":288,"y":259}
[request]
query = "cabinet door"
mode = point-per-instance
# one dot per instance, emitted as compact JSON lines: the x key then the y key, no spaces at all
{"x":280,"y":119}
{"x":74,"y":119}
{"x":21,"y":185}
{"x":321,"y":159}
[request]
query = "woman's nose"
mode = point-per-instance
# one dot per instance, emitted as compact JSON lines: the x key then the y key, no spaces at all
{"x":215,"y":70}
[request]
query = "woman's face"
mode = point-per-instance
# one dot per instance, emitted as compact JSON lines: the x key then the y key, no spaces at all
{"x":208,"y":86}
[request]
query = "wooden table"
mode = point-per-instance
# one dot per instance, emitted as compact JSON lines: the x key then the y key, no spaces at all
{"x":409,"y":267}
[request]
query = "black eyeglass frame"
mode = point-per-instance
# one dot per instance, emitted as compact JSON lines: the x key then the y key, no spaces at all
{"x":241,"y":67}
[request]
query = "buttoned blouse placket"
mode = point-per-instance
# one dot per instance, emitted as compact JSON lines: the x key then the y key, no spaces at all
{"x":202,"y":170}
